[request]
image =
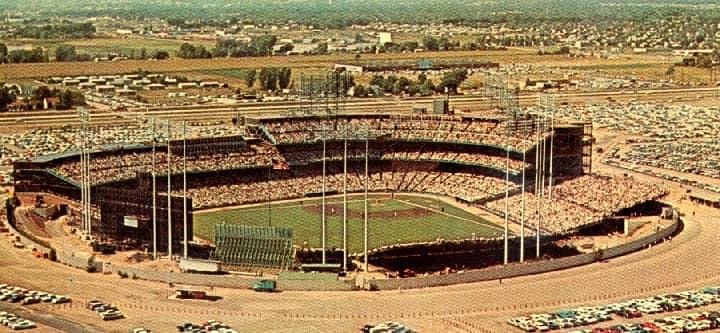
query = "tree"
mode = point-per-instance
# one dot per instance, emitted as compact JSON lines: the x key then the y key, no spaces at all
{"x":41,"y":93}
{"x":286,"y":48}
{"x":65,"y":100}
{"x":426,"y":88}
{"x":65,"y":53}
{"x":377,"y":80}
{"x":322,"y":48}
{"x":161,"y":55}
{"x":421,"y":78}
{"x":452,"y":80}
{"x":360,"y":91}
{"x":6,"y":97}
{"x":250,"y":77}
{"x":410,"y":45}
{"x":444,"y":43}
{"x":143,"y":53}
{"x":3,"y":50}
{"x":284,"y":78}
{"x":269,"y":78}
{"x":430,"y":43}
{"x":263,"y":44}
{"x":187,"y":51}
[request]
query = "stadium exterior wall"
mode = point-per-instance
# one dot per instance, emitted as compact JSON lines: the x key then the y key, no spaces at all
{"x":27,"y":241}
{"x":517,"y":269}
{"x":291,"y":283}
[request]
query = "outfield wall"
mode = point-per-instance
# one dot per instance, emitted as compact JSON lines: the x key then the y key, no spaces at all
{"x":527,"y":268}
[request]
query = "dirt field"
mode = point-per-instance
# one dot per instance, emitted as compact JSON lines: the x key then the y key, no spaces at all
{"x":19,"y":71}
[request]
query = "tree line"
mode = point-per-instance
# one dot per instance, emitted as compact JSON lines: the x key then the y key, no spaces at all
{"x":66,"y":99}
{"x":422,"y":86}
{"x":55,"y":31}
{"x":258,"y":46}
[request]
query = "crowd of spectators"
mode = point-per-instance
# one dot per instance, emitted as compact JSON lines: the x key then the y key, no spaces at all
{"x":437,"y":129}
{"x":404,"y":153}
{"x":578,"y":202}
{"x":121,"y":166}
{"x":248,"y":188}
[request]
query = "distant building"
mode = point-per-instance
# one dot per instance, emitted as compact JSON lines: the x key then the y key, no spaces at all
{"x":384,"y":37}
{"x":692,"y":53}
{"x":156,"y":86}
{"x":123,"y":32}
{"x":350,"y":68}
{"x":105,"y":89}
{"x":187,"y":85}
{"x":210,"y":84}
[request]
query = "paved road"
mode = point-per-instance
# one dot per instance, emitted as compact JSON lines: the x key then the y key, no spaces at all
{"x":213,"y":112}
{"x":688,"y":261}
{"x":47,"y":322}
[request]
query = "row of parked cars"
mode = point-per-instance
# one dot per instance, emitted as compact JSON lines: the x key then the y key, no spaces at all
{"x":210,"y":326}
{"x":105,"y":311}
{"x":386,"y":327}
{"x":14,"y":322}
{"x":691,"y":322}
{"x":634,"y":308}
{"x":26,"y":297}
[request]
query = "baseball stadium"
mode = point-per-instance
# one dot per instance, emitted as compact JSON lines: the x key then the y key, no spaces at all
{"x":399,"y":194}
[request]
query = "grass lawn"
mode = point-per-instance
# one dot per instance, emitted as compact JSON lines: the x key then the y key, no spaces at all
{"x":306,"y":222}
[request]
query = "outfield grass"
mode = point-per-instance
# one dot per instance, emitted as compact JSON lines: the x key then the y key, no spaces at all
{"x":306,"y":224}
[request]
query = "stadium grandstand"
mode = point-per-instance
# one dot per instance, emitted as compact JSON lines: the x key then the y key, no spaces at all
{"x":471,"y":159}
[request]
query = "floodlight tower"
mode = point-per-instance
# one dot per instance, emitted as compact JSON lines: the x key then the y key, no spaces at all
{"x":185,"y":230}
{"x":507,"y":194}
{"x":85,"y":183}
{"x":325,"y":95}
{"x":547,"y":106}
{"x":169,"y":189}
{"x":347,"y":132}
{"x":154,"y":190}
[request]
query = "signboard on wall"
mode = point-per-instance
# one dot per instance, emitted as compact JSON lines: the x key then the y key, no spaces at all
{"x":130,"y":221}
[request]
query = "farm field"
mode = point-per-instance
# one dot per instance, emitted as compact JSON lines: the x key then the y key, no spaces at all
{"x":174,"y":65}
{"x":403,"y":219}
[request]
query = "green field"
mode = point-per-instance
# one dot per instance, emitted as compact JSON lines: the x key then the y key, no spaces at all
{"x":412,"y":224}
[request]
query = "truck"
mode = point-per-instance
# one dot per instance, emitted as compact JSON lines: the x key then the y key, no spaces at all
{"x":264,"y":286}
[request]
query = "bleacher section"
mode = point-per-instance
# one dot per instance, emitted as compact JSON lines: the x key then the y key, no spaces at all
{"x":253,"y":248}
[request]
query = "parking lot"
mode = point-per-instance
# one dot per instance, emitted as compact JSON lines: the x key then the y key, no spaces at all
{"x":633,"y":308}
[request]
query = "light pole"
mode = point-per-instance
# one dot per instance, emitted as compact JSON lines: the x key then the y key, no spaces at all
{"x":345,"y":203}
{"x":537,"y":186}
{"x":169,"y":189}
{"x":154,"y":193}
{"x":185,"y":231}
{"x":323,"y":195}
{"x":522,"y":214}
{"x":507,"y":197}
{"x":367,"y":180}
{"x":85,"y":184}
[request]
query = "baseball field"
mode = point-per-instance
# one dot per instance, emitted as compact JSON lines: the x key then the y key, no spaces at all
{"x":391,"y":220}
